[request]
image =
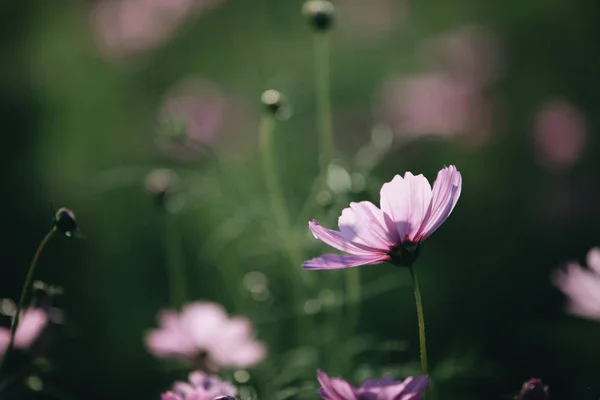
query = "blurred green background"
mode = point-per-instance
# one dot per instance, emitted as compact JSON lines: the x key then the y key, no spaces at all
{"x":81,"y":119}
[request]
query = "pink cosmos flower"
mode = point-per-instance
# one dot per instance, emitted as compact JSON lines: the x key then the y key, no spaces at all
{"x":410,"y":212}
{"x":31,"y":325}
{"x":582,"y":286}
{"x":372,"y":389}
{"x":204,"y":332}
{"x":200,"y":387}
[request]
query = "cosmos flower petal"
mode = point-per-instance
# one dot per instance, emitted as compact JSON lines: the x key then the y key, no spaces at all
{"x":336,"y":240}
{"x":335,"y":388}
{"x":30,"y":327}
{"x":340,"y":261}
{"x":201,"y":386}
{"x":411,"y":389}
{"x":394,"y":198}
{"x":203,"y":321}
{"x":366,"y":224}
{"x":593,"y":259}
{"x":582,"y":287}
{"x":169,"y":396}
{"x":445,"y":194}
{"x":406,"y":201}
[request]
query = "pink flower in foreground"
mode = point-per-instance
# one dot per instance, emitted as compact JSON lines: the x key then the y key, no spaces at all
{"x":200,"y":387}
{"x":31,"y":325}
{"x":410,"y":212}
{"x":372,"y":389}
{"x":203,"y":332}
{"x":582,"y":286}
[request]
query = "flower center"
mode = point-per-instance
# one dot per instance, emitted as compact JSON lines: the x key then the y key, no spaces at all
{"x":404,"y":255}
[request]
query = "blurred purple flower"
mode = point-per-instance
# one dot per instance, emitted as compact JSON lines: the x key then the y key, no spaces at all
{"x":191,"y":117}
{"x":433,"y":103}
{"x":122,"y":27}
{"x":410,"y":212}
{"x":31,"y":324}
{"x":203,"y":332}
{"x":372,"y":389}
{"x":560,"y":134}
{"x":200,"y":387}
{"x":534,"y":389}
{"x":582,"y":286}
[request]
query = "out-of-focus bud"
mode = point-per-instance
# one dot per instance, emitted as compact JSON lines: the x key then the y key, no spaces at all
{"x":534,"y":389}
{"x":319,"y":14}
{"x":64,"y":221}
{"x":160,"y":183}
{"x":273,"y":101}
{"x":224,"y":398}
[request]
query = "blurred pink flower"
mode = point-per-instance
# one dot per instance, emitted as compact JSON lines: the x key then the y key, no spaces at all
{"x":123,"y":27}
{"x":450,"y":99}
{"x":560,"y":134}
{"x":410,"y":212}
{"x":191,"y":116}
{"x":203,"y":329}
{"x":470,"y":55}
{"x":433,"y":104}
{"x":31,"y":325}
{"x":371,"y":20}
{"x":372,"y":389}
{"x":200,"y":387}
{"x":582,"y":286}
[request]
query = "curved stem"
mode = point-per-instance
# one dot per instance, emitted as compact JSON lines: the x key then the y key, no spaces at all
{"x":421,"y":319}
{"x":175,"y":263}
{"x":25,"y":292}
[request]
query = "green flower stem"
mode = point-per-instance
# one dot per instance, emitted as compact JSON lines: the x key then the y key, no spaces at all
{"x":323,"y":99}
{"x":25,"y":292}
{"x":422,"y":344}
{"x":175,"y":263}
{"x":353,"y":288}
{"x":266,"y":130}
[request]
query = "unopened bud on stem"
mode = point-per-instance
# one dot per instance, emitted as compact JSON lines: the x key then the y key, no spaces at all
{"x":318,"y":13}
{"x":273,"y":101}
{"x":64,"y":221}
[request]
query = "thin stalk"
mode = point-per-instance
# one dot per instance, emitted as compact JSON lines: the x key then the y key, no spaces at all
{"x":280,"y":212}
{"x":421,"y":319}
{"x":353,"y":288}
{"x":25,"y":292}
{"x":323,"y":99}
{"x":175,"y":263}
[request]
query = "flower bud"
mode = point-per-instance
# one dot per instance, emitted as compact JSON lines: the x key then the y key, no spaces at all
{"x":272,"y":100}
{"x":64,"y":221}
{"x":160,"y":184}
{"x":534,"y":389}
{"x":319,"y":14}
